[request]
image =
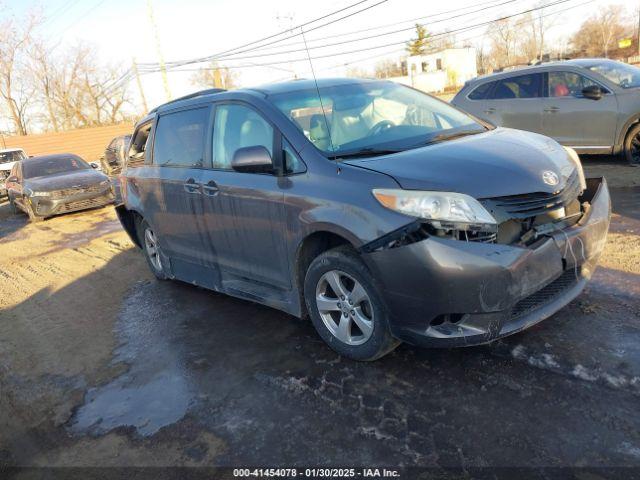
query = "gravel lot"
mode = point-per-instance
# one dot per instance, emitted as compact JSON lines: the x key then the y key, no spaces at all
{"x":102,"y":365}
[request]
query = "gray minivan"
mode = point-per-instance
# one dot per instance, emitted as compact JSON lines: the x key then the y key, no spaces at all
{"x":378,"y":211}
{"x":590,"y":105}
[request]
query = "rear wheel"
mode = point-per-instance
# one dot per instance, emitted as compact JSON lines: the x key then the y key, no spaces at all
{"x":632,"y":145}
{"x":151,"y":249}
{"x":345,"y":306}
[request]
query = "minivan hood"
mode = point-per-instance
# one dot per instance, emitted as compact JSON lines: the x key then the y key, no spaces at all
{"x":495,"y":163}
{"x":81,"y":178}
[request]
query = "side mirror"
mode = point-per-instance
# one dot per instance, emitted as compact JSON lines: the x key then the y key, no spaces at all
{"x":593,"y":92}
{"x":12,"y":179}
{"x":94,"y":165}
{"x":252,"y":160}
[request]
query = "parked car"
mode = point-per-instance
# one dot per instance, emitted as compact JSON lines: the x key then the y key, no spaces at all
{"x":8,"y":157}
{"x":591,"y":105}
{"x":113,"y":158}
{"x":381,"y":212}
{"x":53,"y":184}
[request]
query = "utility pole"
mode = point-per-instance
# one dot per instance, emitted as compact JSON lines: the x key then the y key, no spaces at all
{"x":286,"y":21}
{"x":163,"y":67}
{"x":137,"y":74}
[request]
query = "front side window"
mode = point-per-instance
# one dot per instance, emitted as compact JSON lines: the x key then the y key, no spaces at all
{"x":138,"y":147}
{"x":361,"y":117}
{"x":42,"y":167}
{"x":622,"y":74}
{"x":180,"y":138}
{"x":235,"y":127}
{"x":568,"y":84}
{"x":522,"y":86}
{"x":292,"y":162}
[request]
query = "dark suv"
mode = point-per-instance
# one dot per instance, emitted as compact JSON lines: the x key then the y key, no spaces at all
{"x":382,"y":213}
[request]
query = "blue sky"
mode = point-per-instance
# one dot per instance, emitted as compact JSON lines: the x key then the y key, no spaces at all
{"x":120,"y":30}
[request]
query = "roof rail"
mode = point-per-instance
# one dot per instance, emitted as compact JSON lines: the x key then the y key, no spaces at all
{"x":208,"y":91}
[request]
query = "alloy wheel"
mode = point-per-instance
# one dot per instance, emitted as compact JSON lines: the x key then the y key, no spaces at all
{"x":345,"y":307}
{"x":152,"y":249}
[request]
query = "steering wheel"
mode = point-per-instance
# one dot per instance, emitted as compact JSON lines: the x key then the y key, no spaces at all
{"x":380,"y":127}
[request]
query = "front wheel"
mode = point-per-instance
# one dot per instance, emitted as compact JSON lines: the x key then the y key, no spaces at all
{"x":632,"y":146}
{"x":32,"y":215}
{"x":151,"y":250}
{"x":345,"y":306}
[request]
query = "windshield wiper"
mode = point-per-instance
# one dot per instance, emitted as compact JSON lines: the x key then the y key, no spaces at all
{"x":443,"y":137}
{"x":365,"y":152}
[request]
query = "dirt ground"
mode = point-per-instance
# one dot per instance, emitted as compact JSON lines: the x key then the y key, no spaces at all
{"x":102,"y":365}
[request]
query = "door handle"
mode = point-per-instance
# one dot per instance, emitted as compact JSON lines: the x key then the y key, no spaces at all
{"x":490,"y":110}
{"x":551,"y":109}
{"x":210,"y":188}
{"x":190,"y":186}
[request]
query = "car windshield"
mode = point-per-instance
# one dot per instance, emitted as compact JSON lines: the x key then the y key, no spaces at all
{"x":622,"y":74}
{"x":372,"y":118}
{"x":42,"y":167}
{"x":13,"y":156}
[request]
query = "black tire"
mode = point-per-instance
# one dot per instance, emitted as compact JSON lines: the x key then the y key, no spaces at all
{"x":12,"y":204}
{"x":346,"y":261}
{"x":632,"y":145}
{"x":32,"y":215}
{"x":156,"y":267}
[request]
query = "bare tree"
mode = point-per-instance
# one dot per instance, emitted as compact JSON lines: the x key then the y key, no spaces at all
{"x":503,"y":35}
{"x":215,"y":76}
{"x":15,"y":38}
{"x":600,"y":33}
{"x":388,"y":68}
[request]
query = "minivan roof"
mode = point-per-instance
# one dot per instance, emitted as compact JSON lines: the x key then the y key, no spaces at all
{"x":264,"y":90}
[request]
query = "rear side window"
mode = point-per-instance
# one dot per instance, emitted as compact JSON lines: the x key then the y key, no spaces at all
{"x":180,"y":138}
{"x":568,"y":84}
{"x":522,"y":86}
{"x":481,"y":91}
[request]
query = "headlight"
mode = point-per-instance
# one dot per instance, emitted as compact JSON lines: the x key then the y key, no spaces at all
{"x":445,"y":210}
{"x":575,"y":159}
{"x":28,"y":192}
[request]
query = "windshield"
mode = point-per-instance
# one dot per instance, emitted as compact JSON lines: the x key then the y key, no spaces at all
{"x":372,"y":116}
{"x":14,"y":156}
{"x":622,"y":74}
{"x":42,"y":167}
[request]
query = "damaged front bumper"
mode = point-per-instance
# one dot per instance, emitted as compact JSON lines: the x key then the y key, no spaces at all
{"x":446,"y":293}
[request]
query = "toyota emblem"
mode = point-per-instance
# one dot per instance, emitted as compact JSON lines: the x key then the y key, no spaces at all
{"x":550,"y":178}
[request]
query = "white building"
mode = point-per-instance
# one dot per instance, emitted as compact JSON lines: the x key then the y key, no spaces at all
{"x":438,"y":71}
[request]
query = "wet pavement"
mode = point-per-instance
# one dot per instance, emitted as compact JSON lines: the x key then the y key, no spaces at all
{"x":228,"y":382}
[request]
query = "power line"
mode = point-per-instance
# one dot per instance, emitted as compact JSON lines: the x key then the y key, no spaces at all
{"x":81,"y":17}
{"x":461,"y":29}
{"x":405,"y":21}
{"x":215,"y":56}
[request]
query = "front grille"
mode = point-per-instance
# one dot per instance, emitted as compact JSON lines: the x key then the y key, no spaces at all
{"x":4,"y":174}
{"x":533,"y":204}
{"x":78,"y":190}
{"x":84,"y":204}
{"x":546,"y":294}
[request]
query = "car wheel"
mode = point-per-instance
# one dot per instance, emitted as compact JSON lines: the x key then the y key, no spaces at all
{"x":32,"y":215}
{"x":346,"y":307}
{"x":151,"y":250}
{"x":632,"y":145}
{"x":13,"y":206}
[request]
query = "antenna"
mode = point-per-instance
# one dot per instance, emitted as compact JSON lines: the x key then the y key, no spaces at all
{"x":315,"y":80}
